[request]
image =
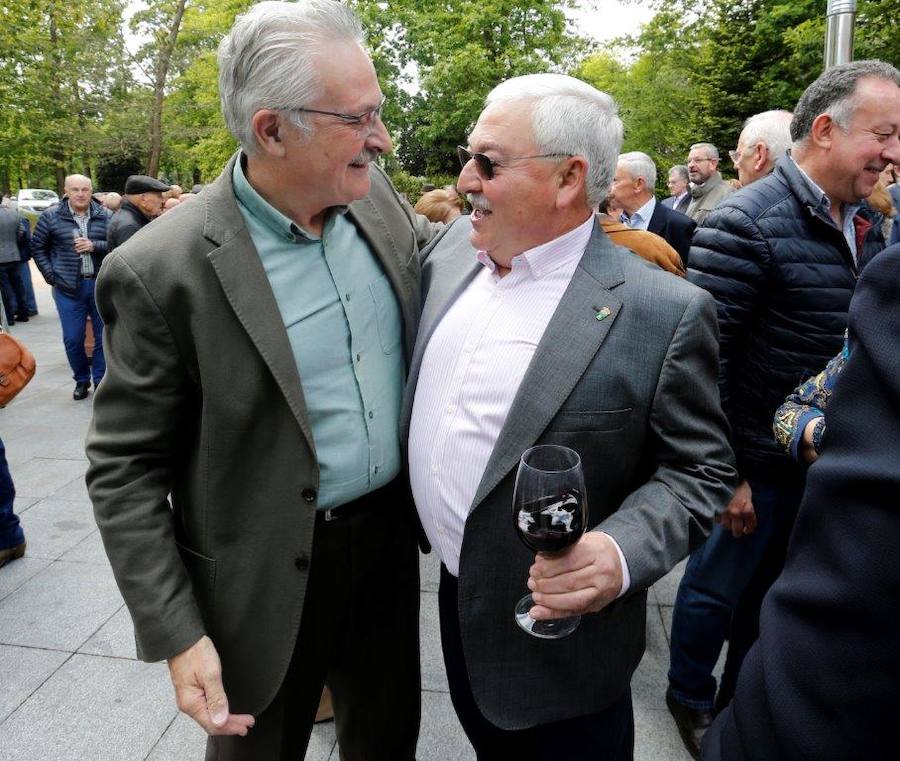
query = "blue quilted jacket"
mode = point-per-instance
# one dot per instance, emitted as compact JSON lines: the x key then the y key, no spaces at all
{"x":52,"y":248}
{"x":782,"y":275}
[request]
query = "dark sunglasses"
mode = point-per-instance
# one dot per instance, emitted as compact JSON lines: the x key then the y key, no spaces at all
{"x":485,"y":165}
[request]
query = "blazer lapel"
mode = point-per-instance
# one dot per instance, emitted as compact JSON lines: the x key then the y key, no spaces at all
{"x":574,"y":334}
{"x":237,"y":265}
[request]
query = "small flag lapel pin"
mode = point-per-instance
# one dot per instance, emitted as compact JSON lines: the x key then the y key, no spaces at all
{"x":603,"y":313}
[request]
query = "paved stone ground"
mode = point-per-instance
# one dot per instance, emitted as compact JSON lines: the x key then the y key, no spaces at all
{"x":70,"y":686}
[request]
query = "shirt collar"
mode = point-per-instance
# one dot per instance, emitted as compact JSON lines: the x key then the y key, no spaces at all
{"x":849,"y":209}
{"x":646,"y":211}
{"x":545,"y":258}
{"x":283,"y":226}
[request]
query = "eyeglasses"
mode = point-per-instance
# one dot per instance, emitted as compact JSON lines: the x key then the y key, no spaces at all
{"x":485,"y":165}
{"x":356,"y":120}
{"x":697,"y":161}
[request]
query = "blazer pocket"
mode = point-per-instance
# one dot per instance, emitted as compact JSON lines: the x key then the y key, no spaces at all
{"x":200,"y":568}
{"x":599,"y":420}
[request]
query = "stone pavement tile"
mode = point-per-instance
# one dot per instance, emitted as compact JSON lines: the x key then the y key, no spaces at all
{"x":76,"y":489}
{"x":429,"y":571}
{"x":13,"y":575}
{"x":88,"y":550}
{"x":61,"y":441}
{"x":656,"y":737}
{"x":60,"y":607}
{"x":322,"y":743}
{"x":115,"y":638}
{"x":54,"y":526}
{"x":102,"y":709}
{"x":41,"y":477}
{"x":24,"y":669}
{"x":441,"y":737}
{"x":667,"y":587}
{"x":650,"y":679}
{"x":184,"y":740}
{"x":434,"y":677}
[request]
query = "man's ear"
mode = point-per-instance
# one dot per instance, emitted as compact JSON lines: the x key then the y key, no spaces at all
{"x":572,"y":179}
{"x":760,"y":157}
{"x":268,"y":126}
{"x":822,"y":132}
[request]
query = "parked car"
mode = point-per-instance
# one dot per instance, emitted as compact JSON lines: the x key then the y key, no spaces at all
{"x":34,"y":200}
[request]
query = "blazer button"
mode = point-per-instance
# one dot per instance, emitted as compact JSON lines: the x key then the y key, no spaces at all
{"x":309,"y":495}
{"x":302,"y":563}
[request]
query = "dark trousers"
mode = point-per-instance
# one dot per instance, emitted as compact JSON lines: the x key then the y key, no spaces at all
{"x":716,"y":576}
{"x":15,"y":299}
{"x":359,"y":634}
{"x":74,"y":310}
{"x":10,"y":531}
{"x":604,"y":736}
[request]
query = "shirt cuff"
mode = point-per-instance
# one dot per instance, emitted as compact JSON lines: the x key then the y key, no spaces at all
{"x":800,"y":427}
{"x":626,"y":577}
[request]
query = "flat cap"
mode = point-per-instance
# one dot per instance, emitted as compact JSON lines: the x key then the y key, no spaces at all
{"x":141,"y":183}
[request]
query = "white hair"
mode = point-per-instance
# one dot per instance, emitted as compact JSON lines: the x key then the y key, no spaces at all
{"x":570,"y":117}
{"x":772,"y":128}
{"x":267,"y":60}
{"x":639,"y":164}
{"x":708,"y":148}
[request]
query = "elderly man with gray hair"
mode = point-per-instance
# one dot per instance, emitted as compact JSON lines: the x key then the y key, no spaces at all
{"x":632,"y":187}
{"x":536,"y":330}
{"x":782,"y":257}
{"x":708,"y":189}
{"x":764,"y":139}
{"x":244,"y":453}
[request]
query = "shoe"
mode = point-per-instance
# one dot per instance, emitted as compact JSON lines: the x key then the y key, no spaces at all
{"x":81,"y":391}
{"x":13,"y":553}
{"x":22,"y":317}
{"x":32,"y":313}
{"x":692,"y":723}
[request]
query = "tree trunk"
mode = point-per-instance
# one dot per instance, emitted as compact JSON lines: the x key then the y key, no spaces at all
{"x":161,"y":73}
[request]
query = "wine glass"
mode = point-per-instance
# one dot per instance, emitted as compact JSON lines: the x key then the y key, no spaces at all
{"x":550,"y":512}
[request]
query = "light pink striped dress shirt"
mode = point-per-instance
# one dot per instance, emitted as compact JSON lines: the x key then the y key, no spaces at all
{"x":472,"y":368}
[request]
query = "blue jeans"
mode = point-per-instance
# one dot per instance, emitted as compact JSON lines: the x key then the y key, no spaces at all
{"x":716,"y":575}
{"x":11,"y":534}
{"x":30,"y":302}
{"x":73,"y":314}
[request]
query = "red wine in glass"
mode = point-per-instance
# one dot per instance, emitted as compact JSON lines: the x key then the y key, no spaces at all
{"x":550,"y":512}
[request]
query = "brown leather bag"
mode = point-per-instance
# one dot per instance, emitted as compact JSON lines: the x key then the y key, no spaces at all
{"x":17,"y":367}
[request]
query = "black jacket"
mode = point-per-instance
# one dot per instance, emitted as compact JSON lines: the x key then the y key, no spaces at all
{"x":676,"y":228}
{"x":53,"y":250}
{"x":782,"y":275}
{"x":821,"y":681}
{"x":124,"y":223}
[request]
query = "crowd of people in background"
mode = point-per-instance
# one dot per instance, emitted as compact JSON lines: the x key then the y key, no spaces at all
{"x":718,"y":369}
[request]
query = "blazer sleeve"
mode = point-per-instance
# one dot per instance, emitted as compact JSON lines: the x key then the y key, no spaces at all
{"x":672,"y":512}
{"x":131,"y":440}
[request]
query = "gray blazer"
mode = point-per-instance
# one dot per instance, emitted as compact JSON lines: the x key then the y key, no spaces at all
{"x":202,"y":399}
{"x":635,"y":394}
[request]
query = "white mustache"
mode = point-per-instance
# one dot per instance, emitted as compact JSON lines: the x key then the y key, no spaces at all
{"x":365,"y":156}
{"x":478,"y":201}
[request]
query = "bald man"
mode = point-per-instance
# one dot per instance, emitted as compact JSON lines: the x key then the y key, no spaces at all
{"x":68,"y":245}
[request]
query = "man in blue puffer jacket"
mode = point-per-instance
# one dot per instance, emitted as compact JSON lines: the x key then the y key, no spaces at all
{"x":68,"y":245}
{"x":781,"y":257}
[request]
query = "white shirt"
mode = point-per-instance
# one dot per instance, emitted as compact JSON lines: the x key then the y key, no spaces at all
{"x":471,"y":371}
{"x":641,"y":218}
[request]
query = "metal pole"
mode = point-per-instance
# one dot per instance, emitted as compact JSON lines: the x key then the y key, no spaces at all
{"x":840,"y":20}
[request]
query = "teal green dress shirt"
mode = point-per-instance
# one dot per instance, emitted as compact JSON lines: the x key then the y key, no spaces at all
{"x":344,"y":326}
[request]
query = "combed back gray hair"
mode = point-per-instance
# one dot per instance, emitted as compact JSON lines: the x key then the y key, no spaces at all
{"x":708,"y":148}
{"x":834,"y":92}
{"x":639,"y":164}
{"x":267,"y":60}
{"x":682,"y":171}
{"x":571,"y":117}
{"x":772,"y":128}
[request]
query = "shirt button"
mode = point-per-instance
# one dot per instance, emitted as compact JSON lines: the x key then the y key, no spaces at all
{"x":375,"y":470}
{"x":467,"y":348}
{"x":451,"y":408}
{"x":358,"y":358}
{"x":346,"y":297}
{"x":434,"y":468}
{"x":309,"y":495}
{"x":371,"y":414}
{"x":301,"y":563}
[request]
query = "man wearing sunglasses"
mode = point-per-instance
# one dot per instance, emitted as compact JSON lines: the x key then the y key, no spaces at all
{"x":537,"y":330}
{"x":244,"y":452}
